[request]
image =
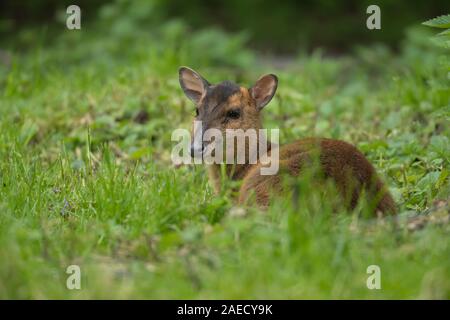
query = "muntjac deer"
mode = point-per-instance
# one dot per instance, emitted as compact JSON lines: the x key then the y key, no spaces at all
{"x":226,"y":106}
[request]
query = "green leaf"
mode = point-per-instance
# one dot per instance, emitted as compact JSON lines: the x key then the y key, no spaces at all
{"x":428,"y":181}
{"x":445,"y":33}
{"x":439,"y":22}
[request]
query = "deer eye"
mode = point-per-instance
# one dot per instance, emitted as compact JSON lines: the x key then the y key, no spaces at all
{"x":233,"y":114}
{"x":196,"y":112}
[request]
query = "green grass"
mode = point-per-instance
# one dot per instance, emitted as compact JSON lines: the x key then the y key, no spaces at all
{"x":86,"y":176}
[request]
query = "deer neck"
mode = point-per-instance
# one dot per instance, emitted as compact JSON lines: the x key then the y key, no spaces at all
{"x":235,"y":171}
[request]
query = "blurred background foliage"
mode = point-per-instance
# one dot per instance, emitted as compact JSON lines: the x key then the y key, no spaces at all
{"x":271,"y":26}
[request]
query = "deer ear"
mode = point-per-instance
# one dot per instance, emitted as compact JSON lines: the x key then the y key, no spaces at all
{"x":264,"y":89}
{"x":193,"y":84}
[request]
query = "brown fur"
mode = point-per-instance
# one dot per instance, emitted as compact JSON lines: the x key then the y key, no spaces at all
{"x":339,"y":161}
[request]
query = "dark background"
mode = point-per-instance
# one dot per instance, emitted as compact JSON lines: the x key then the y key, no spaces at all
{"x":270,"y":26}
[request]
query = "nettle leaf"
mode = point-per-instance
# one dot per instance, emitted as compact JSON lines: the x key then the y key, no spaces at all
{"x":445,"y":33}
{"x":441,"y":41}
{"x":439,"y":22}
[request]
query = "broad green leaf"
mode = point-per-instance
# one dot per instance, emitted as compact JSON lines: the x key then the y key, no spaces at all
{"x":439,"y":22}
{"x":445,"y":33}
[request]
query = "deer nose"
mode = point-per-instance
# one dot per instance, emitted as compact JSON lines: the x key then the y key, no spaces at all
{"x":196,"y":150}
